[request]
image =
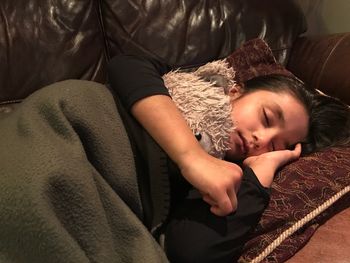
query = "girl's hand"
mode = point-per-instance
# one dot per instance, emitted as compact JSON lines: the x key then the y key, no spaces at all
{"x":218,"y":181}
{"x":266,"y":164}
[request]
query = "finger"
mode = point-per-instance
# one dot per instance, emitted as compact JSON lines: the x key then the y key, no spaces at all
{"x":233,"y":198}
{"x":209,"y":200}
{"x":217,"y":211}
{"x":298,"y":148}
{"x":297,"y":151}
{"x":223,"y":206}
{"x":292,"y":155}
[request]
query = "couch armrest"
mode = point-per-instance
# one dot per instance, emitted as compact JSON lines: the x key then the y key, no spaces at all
{"x":323,"y":62}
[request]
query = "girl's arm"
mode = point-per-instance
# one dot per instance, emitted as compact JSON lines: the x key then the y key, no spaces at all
{"x":216,"y":178}
{"x":139,"y":85}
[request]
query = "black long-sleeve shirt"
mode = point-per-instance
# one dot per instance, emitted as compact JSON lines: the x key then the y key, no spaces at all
{"x":192,"y":232}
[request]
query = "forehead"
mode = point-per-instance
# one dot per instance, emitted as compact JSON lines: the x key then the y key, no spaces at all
{"x":264,"y":96}
{"x":263,"y":91}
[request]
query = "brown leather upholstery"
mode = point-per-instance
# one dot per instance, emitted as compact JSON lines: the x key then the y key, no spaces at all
{"x":46,"y":41}
{"x":322,"y":63}
{"x":192,"y":32}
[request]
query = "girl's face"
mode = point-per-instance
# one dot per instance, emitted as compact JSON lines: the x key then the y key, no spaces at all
{"x":266,"y":121}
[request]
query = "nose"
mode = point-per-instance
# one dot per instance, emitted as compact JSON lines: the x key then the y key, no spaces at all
{"x":262,"y":140}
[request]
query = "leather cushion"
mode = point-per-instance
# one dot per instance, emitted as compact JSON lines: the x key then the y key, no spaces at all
{"x":193,"y":32}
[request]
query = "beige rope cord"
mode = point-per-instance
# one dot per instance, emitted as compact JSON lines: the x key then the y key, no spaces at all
{"x":288,"y":232}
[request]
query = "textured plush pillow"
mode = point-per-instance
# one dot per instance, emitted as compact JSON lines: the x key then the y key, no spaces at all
{"x":305,"y":193}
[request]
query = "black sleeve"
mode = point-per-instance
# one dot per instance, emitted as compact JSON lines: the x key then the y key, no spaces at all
{"x":194,"y":234}
{"x":133,"y":78}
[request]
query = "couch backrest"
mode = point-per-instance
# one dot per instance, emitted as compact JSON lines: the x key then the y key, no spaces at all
{"x":46,"y":41}
{"x":192,"y":32}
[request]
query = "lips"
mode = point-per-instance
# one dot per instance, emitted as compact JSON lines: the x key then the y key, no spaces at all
{"x":243,"y":143}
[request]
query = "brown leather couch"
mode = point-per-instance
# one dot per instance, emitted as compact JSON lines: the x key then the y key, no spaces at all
{"x":42,"y":42}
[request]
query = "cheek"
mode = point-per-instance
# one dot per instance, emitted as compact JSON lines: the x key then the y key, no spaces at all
{"x":244,"y":118}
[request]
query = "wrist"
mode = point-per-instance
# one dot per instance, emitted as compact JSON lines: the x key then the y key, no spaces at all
{"x":264,"y":168}
{"x":264,"y":175}
{"x":189,"y":158}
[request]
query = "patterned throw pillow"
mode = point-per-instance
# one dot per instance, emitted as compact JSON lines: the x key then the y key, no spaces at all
{"x":305,"y":193}
{"x":253,"y":59}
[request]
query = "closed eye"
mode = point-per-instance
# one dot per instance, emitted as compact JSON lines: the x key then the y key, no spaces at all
{"x":268,"y":124}
{"x":266,"y":118}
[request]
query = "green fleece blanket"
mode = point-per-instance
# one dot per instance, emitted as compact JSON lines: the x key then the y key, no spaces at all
{"x":68,"y":188}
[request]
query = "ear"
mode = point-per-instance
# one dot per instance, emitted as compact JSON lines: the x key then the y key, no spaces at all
{"x":235,"y":91}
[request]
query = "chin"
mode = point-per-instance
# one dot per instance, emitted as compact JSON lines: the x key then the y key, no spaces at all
{"x":233,"y":156}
